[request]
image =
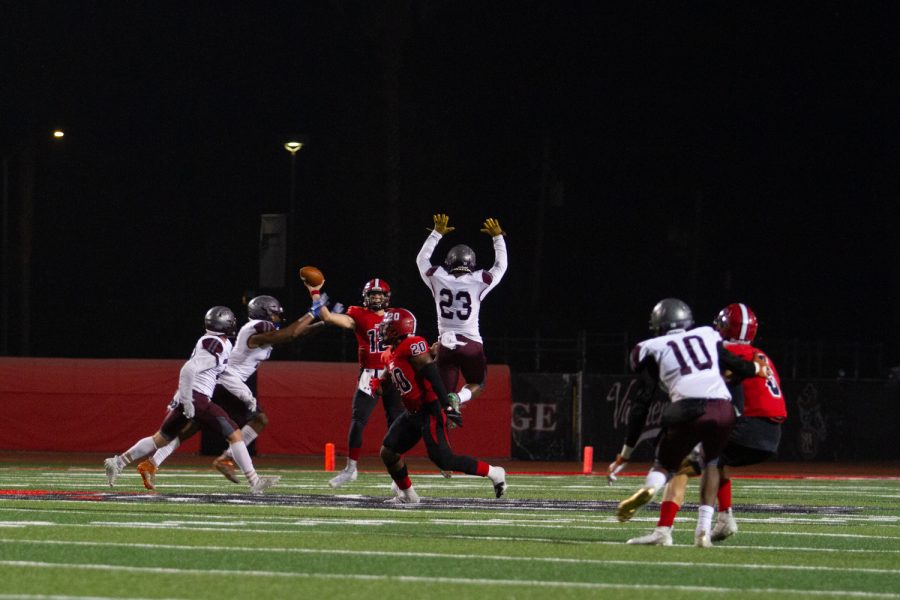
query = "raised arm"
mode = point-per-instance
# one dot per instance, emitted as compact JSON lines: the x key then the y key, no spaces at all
{"x":332,"y":318}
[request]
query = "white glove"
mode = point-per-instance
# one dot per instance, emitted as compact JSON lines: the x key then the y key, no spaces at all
{"x":448,"y":340}
{"x":251,"y":403}
{"x":616,"y":467}
{"x":187,"y":407}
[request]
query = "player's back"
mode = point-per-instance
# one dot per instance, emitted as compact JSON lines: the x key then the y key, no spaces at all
{"x":458,"y":300}
{"x":688,"y":363}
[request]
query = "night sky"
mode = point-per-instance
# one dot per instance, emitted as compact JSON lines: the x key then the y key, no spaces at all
{"x":715,"y":152}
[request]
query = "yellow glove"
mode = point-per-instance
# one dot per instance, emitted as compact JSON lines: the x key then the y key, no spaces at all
{"x":492,"y":227}
{"x":440,"y":224}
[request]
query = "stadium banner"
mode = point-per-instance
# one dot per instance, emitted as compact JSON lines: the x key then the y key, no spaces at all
{"x":105,"y":405}
{"x":543,"y":413}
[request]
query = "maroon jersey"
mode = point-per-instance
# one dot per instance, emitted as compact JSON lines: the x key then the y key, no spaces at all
{"x":366,"y":330}
{"x":762,"y":397}
{"x":415,"y":390}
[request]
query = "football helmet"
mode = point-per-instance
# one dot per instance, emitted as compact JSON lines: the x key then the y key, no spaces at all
{"x":737,"y":323}
{"x":265,"y":308}
{"x":397,"y":324}
{"x":376,"y":286}
{"x":669,"y":314}
{"x":460,"y":259}
{"x":219,"y":320}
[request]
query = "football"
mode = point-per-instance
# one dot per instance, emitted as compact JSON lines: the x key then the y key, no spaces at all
{"x":311,"y":276}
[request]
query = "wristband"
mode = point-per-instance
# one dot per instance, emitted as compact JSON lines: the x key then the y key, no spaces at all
{"x":314,"y":292}
{"x":626,"y":451}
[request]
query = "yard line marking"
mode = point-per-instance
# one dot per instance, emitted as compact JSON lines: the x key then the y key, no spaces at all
{"x":447,"y":580}
{"x":443,"y":555}
{"x":60,"y":597}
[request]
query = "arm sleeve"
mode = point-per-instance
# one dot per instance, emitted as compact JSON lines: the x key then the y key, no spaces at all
{"x":640,"y":406}
{"x":430,"y":372}
{"x":740,"y":367}
{"x":201,"y":361}
{"x":500,"y":263}
{"x":423,"y":258}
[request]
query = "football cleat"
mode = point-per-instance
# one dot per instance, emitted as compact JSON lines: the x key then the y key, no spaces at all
{"x":346,"y":476}
{"x":701,"y":540}
{"x":226,"y":467}
{"x":725,"y":527}
{"x":148,"y":474}
{"x":263,"y":484}
{"x":661,"y":536}
{"x":630,"y":505}
{"x":499,"y":483}
{"x":407,"y":496}
{"x":112,"y":470}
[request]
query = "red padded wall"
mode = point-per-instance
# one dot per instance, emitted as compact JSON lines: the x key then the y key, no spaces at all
{"x":100,"y":405}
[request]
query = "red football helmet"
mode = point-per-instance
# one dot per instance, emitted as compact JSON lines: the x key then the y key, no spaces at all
{"x":737,"y":323}
{"x":376,"y":286}
{"x":397,"y":324}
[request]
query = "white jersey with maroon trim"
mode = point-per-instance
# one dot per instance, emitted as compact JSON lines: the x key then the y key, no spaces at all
{"x":458,"y":299}
{"x":245,"y":360}
{"x":207,"y":362}
{"x":688,"y":363}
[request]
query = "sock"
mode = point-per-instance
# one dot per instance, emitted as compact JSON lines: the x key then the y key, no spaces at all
{"x":141,"y":449}
{"x":667,"y":512}
{"x":165,"y":452}
{"x":482,"y":468}
{"x":724,"y":495}
{"x":656,"y":480}
{"x":704,"y":519}
{"x":465,"y":394}
{"x":248,"y":433}
{"x":351,"y":464}
{"x":401,"y":478}
{"x":243,"y":460}
{"x":354,"y":455}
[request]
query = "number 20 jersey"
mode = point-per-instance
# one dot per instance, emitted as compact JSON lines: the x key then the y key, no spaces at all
{"x":415,"y":390}
{"x":688,"y":363}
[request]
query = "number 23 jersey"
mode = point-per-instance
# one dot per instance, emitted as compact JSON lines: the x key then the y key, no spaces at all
{"x":688,"y":363}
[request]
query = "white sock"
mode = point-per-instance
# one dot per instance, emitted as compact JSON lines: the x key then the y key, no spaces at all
{"x":351,"y":464}
{"x":655,"y":479}
{"x":704,"y":519}
{"x":142,"y":448}
{"x":165,"y":452}
{"x":249,"y":434}
{"x":465,"y":394}
{"x":243,"y":460}
{"x":496,"y":474}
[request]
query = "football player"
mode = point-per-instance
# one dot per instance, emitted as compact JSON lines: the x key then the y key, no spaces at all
{"x":687,"y":363}
{"x":754,"y":439}
{"x":192,"y":402}
{"x":254,"y":344}
{"x":363,"y":320}
{"x":458,"y":289}
{"x":411,"y":370}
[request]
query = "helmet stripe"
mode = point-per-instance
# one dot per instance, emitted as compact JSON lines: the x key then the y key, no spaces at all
{"x":745,"y":321}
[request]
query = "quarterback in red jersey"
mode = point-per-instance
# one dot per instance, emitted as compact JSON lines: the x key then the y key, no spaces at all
{"x":364,"y":321}
{"x":412,"y":371}
{"x":754,"y":439}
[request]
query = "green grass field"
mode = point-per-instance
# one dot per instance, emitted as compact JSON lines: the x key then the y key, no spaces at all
{"x":553,"y":537}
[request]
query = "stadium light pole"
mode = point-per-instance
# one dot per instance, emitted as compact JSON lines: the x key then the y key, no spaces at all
{"x":293,"y":145}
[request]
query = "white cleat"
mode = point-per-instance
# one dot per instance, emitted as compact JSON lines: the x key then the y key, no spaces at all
{"x":112,"y":470}
{"x":407,"y":496}
{"x":701,"y":540}
{"x":263,"y":484}
{"x":661,"y":536}
{"x":499,"y":481}
{"x":345,"y":476}
{"x":725,"y":527}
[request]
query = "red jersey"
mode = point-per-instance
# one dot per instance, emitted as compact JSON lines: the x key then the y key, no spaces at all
{"x":762,"y":397}
{"x":415,"y":390}
{"x":367,"y":336}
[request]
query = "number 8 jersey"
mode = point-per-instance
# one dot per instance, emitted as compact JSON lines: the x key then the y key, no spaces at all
{"x":688,"y":363}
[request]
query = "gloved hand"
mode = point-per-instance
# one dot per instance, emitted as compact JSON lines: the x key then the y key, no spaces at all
{"x":187,"y":407}
{"x":337,"y":309}
{"x":251,"y":404}
{"x":762,"y":366}
{"x":440,"y":224}
{"x":454,"y":417}
{"x":454,"y":401}
{"x":492,"y":227}
{"x":317,"y":305}
{"x":615,"y":467}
